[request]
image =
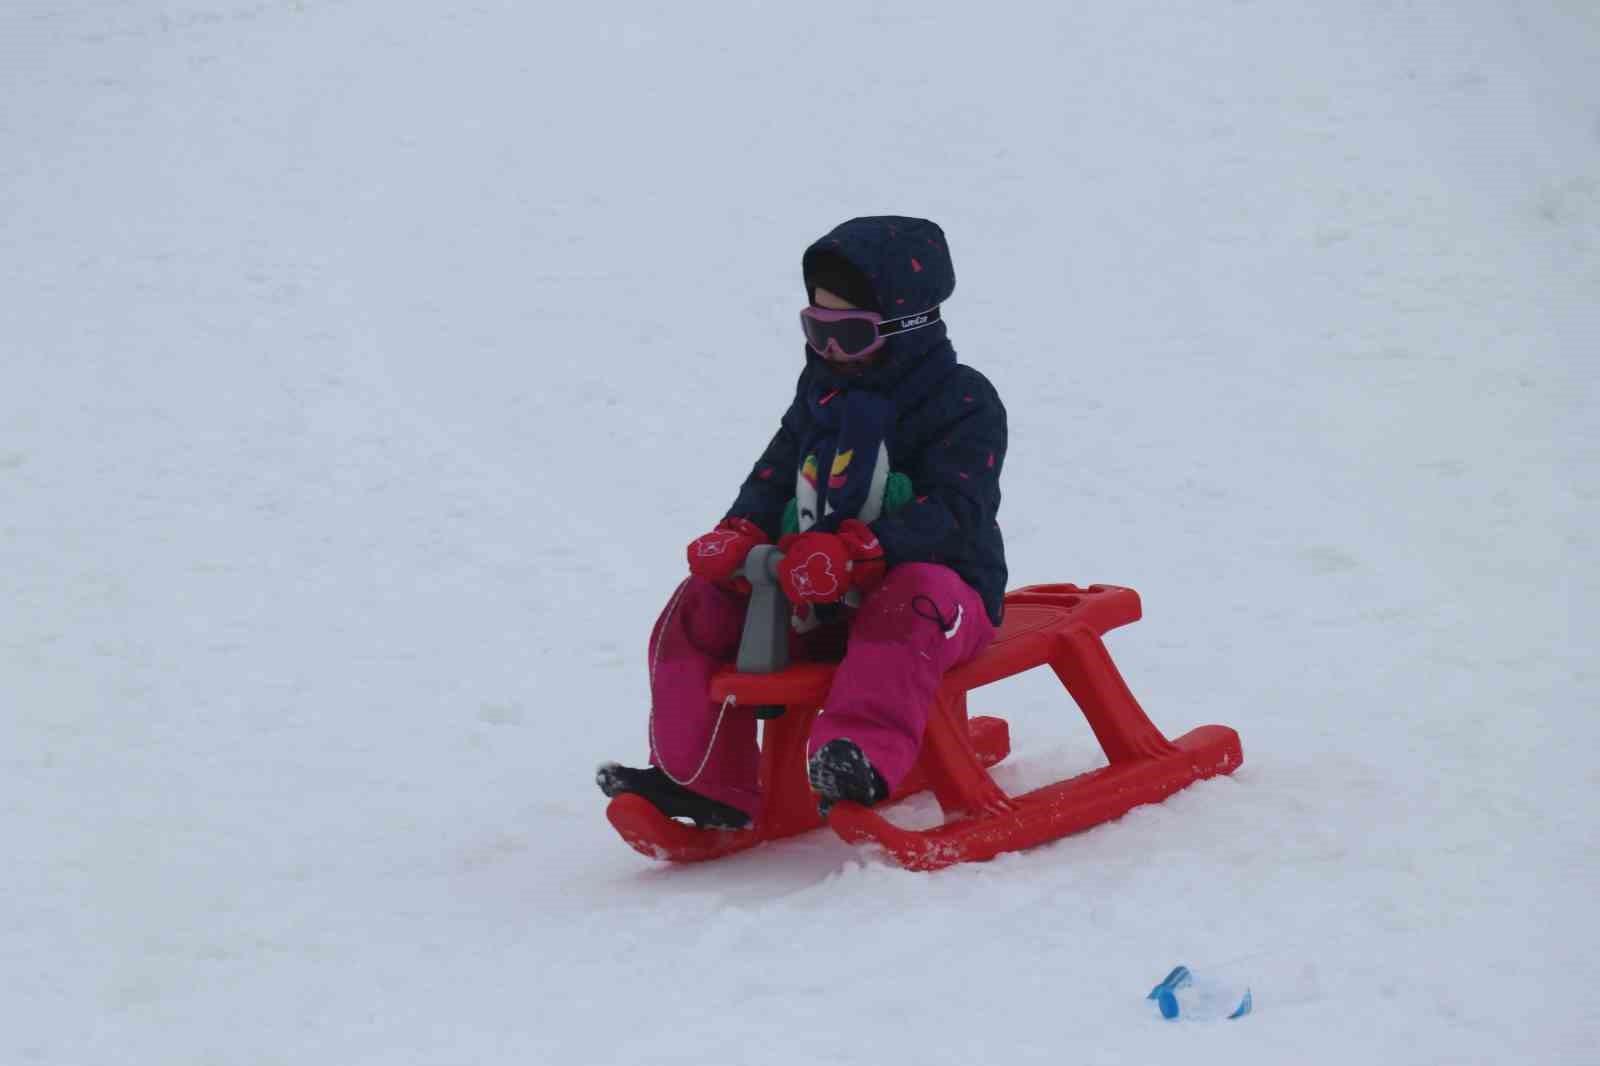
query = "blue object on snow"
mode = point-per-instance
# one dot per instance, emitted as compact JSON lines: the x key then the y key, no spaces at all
{"x":1166,"y":993}
{"x":1204,"y":1000}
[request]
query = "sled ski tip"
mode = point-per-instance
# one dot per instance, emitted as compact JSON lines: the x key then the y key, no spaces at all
{"x":655,"y":836}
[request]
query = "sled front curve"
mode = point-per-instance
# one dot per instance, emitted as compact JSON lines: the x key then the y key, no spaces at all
{"x":1059,"y":625}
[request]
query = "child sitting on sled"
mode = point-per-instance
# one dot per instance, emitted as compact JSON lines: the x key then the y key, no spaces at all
{"x":881,"y":488}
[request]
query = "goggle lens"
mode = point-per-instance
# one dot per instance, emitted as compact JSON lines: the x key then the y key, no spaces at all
{"x":850,"y":338}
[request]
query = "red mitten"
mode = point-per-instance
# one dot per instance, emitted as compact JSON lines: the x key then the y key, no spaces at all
{"x":718,"y":555}
{"x":867,"y":564}
{"x":822,"y":567}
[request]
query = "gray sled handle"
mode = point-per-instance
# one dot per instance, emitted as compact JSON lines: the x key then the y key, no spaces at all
{"x":764,"y":648}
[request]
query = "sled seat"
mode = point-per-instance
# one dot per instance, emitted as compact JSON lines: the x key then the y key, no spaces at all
{"x":1059,"y":625}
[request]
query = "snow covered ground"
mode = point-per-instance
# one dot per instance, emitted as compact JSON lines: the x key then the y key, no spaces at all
{"x":364,"y":367}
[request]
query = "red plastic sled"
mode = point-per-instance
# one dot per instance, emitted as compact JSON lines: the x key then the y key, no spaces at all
{"x":1058,"y":625}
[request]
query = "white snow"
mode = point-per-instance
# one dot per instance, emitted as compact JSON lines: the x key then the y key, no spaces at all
{"x":365,"y":366}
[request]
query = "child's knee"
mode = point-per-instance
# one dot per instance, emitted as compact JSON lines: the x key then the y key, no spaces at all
{"x":912,"y":595}
{"x":711,"y":616}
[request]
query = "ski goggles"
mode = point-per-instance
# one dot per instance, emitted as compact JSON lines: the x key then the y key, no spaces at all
{"x":850,"y":336}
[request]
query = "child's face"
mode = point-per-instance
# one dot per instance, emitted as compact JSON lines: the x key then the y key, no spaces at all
{"x":832,"y":301}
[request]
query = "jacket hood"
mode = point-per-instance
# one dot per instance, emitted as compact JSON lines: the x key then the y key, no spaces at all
{"x":908,"y":262}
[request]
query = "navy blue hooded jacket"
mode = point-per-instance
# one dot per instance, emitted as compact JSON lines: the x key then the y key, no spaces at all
{"x":951,"y":441}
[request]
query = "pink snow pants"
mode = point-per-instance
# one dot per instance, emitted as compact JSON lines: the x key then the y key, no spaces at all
{"x":922,"y":621}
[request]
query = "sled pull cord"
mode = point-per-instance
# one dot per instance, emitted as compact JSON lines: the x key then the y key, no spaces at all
{"x":655,"y":750}
{"x":710,"y":744}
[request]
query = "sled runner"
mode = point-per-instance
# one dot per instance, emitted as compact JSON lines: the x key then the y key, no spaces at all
{"x":1059,"y":626}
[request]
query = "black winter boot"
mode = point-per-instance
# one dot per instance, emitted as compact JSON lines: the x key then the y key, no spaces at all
{"x":839,"y":770}
{"x":671,"y":798}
